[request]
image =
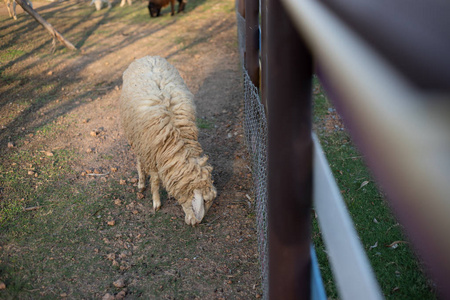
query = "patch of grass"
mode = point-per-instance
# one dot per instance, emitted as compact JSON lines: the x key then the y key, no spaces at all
{"x":29,"y":179}
{"x":11,"y":54}
{"x":134,"y":14}
{"x":204,"y":124}
{"x":9,"y":78}
{"x":397,"y":269}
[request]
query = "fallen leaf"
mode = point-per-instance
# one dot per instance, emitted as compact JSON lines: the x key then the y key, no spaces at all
{"x":374,"y":246}
{"x":111,"y":223}
{"x":48,"y":153}
{"x":2,"y":285}
{"x":364,"y":184}
{"x":375,"y":221}
{"x":121,"y":295}
{"x":108,"y":296}
{"x":119,"y":283}
{"x":395,"y":244}
{"x":10,"y":145}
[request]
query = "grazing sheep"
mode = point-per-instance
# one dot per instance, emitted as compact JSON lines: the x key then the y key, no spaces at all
{"x":98,"y":4}
{"x":154,"y":6}
{"x":13,"y":14}
{"x":158,"y":117}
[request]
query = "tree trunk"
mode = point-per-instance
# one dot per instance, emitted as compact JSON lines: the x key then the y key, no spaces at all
{"x":48,"y":26}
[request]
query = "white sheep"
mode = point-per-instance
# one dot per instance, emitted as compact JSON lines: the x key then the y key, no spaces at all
{"x":99,"y":4}
{"x":122,"y":3}
{"x":158,"y":117}
{"x":14,"y":4}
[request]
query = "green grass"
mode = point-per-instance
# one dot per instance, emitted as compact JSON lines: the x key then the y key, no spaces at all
{"x":30,"y":189}
{"x":11,"y":54}
{"x":397,"y":269}
{"x":204,"y":124}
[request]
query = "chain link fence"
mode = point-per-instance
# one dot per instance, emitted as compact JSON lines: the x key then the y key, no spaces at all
{"x":255,"y":126}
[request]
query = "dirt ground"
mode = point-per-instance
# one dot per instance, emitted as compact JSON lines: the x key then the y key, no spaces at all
{"x":66,"y":103}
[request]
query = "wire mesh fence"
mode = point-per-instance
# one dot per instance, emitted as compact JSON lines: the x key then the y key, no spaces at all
{"x":255,"y":126}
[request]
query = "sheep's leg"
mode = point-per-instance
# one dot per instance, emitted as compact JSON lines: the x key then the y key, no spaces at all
{"x":13,"y":13}
{"x":7,"y":6}
{"x":142,"y":176}
{"x":154,"y":185}
{"x":14,"y":10}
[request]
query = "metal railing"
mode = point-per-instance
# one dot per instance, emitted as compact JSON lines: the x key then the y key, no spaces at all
{"x":396,"y":100}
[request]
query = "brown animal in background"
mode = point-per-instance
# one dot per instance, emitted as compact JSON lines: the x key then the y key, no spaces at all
{"x":155,"y":6}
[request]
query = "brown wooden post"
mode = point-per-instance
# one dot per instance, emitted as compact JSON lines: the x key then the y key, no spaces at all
{"x":252,"y":40}
{"x":264,"y":54}
{"x":289,"y":76}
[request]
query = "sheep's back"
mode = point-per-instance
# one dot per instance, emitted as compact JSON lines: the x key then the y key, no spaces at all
{"x":156,"y":106}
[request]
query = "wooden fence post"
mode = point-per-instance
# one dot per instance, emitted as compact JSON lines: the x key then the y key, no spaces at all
{"x":289,"y":76}
{"x":252,"y":40}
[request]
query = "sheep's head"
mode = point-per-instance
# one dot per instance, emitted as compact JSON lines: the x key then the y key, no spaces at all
{"x":199,"y":190}
{"x":196,"y":209}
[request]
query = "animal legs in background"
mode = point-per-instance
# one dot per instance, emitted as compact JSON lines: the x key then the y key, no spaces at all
{"x":98,"y":4}
{"x":122,"y":3}
{"x":13,"y":13}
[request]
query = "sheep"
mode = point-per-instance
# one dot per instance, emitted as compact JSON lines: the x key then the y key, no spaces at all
{"x":122,"y":3}
{"x":158,"y":117}
{"x":13,"y":14}
{"x":154,"y":6}
{"x":99,"y":3}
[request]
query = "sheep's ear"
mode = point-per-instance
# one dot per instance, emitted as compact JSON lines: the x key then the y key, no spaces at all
{"x":198,"y":205}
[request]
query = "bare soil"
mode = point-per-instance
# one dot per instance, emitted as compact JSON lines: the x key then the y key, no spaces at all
{"x":101,"y":229}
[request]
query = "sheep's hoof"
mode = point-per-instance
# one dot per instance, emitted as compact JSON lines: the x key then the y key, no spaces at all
{"x":156,"y":207}
{"x":191,"y":220}
{"x":141,"y":188}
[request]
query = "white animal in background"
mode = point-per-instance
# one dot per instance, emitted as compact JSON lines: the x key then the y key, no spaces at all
{"x":122,"y":3}
{"x":12,"y":13}
{"x":158,"y":117}
{"x":99,"y":3}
